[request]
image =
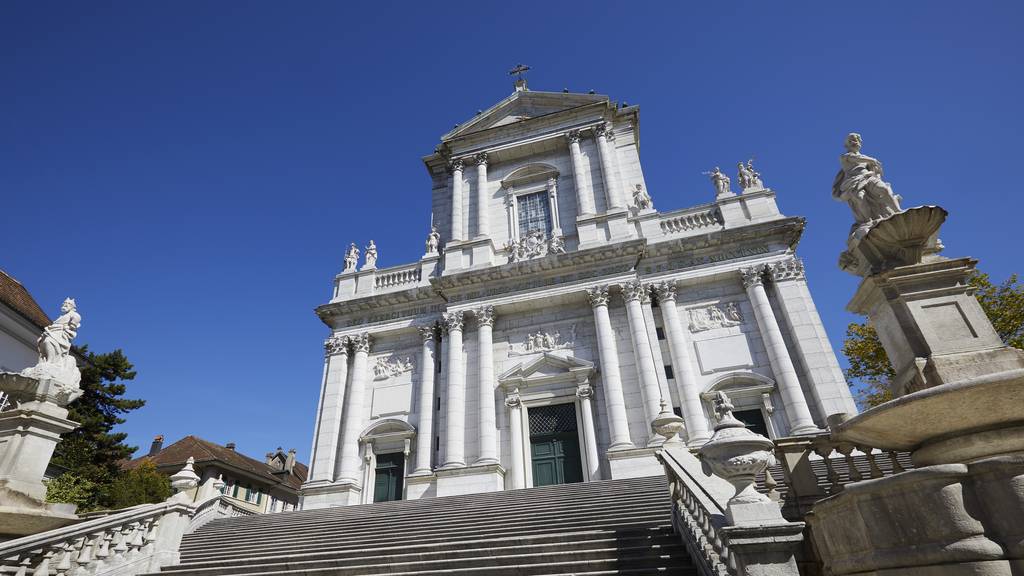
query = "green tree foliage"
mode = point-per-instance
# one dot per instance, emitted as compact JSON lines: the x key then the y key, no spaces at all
{"x":73,"y":489}
{"x":870,"y":370}
{"x":140,"y":485}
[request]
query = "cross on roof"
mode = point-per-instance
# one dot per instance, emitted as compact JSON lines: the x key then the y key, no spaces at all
{"x":518,"y":71}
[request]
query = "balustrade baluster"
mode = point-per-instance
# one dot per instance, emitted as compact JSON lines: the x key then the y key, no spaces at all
{"x":64,"y":564}
{"x":43,"y":569}
{"x":824,"y":450}
{"x":896,"y":466}
{"x":874,"y":471}
{"x":23,"y":566}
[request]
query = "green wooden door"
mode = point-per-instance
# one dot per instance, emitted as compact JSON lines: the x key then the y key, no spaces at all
{"x":388,"y":477}
{"x":555,"y":445}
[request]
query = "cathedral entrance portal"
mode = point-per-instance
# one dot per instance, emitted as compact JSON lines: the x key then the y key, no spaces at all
{"x":555,"y":445}
{"x":388,"y":476}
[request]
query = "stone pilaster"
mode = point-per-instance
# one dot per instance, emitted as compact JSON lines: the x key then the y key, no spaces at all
{"x":584,"y":196}
{"x":326,"y":448}
{"x":799,"y":416}
{"x":455,"y":440}
{"x":585,"y":393}
{"x":425,"y":421}
{"x":485,"y":374}
{"x":517,"y":466}
{"x":603,"y":132}
{"x":615,"y":403}
{"x":482,"y":194}
{"x":697,"y":431}
{"x":356,"y":403}
{"x":456,"y":167}
{"x":635,"y":294}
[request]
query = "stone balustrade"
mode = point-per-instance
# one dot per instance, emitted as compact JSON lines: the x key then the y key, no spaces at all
{"x":681,"y":221}
{"x":698,"y":518}
{"x":398,"y":276}
{"x":134,"y":541}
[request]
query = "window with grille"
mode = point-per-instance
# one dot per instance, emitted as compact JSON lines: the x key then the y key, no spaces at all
{"x":534,"y":213}
{"x":553,"y":419}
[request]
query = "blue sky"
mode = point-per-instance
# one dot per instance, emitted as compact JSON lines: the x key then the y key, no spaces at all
{"x":191,"y":172}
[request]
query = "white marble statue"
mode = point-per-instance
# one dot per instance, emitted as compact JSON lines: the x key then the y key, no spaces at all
{"x":433,"y":240}
{"x":54,"y":346}
{"x":371,"y":256}
{"x":351,"y":257}
{"x":721,"y":182}
{"x":556,"y":245}
{"x":859,"y":183}
{"x":641,"y":198}
{"x":749,"y":178}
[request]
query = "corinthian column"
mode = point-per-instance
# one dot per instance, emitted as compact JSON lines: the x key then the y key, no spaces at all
{"x":482,"y":219}
{"x":799,"y":416}
{"x":332,"y":401}
{"x":455,"y":438}
{"x":515,"y":423}
{"x":603,"y":132}
{"x":356,"y":404}
{"x":634,"y":292}
{"x":425,"y":424}
{"x":456,"y":168}
{"x":682,"y":365}
{"x":615,"y":403}
{"x":485,"y":374}
{"x":584,"y":197}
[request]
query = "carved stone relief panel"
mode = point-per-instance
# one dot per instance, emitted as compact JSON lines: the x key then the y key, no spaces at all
{"x":722,"y":315}
{"x":544,"y":340}
{"x":390,"y":366}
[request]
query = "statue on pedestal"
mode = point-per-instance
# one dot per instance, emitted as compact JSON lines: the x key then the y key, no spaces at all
{"x":859,"y":183}
{"x":433,"y":240}
{"x":54,"y":345}
{"x":721,"y":182}
{"x":351,"y":258}
{"x":641,"y":198}
{"x":371,"y":256}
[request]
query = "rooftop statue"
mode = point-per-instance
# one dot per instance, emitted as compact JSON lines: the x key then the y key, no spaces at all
{"x":721,"y":182}
{"x":433,"y":240}
{"x":371,"y":256}
{"x":55,"y":360}
{"x":859,"y":183}
{"x":351,"y":257}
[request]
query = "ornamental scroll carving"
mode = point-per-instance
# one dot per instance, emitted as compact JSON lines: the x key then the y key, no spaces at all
{"x":534,"y":245}
{"x":391,"y":366}
{"x":544,"y":342}
{"x":715,"y":316}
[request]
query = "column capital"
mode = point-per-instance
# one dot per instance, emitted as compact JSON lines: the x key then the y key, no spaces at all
{"x":336,"y":345}
{"x":453,"y":321}
{"x":362,"y":342}
{"x":635,"y":290}
{"x":485,"y":315}
{"x":753,"y":276}
{"x":605,"y":130}
{"x":791,"y":268}
{"x":456,"y":165}
{"x":481,"y":159}
{"x":598,"y":295}
{"x":573,"y":136}
{"x":512,"y":399}
{"x":665,"y":290}
{"x":428,"y":333}
{"x":584,"y":391}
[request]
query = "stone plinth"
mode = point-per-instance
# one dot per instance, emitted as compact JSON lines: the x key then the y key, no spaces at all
{"x":470,"y":480}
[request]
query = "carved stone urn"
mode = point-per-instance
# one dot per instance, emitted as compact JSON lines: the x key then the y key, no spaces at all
{"x":186,"y":478}
{"x":667,"y":424}
{"x":736,"y":454}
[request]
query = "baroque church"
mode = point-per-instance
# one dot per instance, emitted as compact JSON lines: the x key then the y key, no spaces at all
{"x":555,"y":313}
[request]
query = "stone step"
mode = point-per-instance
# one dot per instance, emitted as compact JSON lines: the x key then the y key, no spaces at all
{"x":638,"y":556}
{"x":563,"y":512}
{"x":373,"y":538}
{"x":441,"y":550}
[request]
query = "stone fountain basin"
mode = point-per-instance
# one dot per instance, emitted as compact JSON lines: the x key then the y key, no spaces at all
{"x":989,"y":409}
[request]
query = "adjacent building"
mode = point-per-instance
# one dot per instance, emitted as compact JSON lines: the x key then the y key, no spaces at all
{"x":21,"y":322}
{"x":267,"y":486}
{"x":555,"y":313}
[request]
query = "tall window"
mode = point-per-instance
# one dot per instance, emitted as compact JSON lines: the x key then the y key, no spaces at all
{"x":534,"y":213}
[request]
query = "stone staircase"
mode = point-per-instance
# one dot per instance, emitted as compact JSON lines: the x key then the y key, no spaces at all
{"x":599,"y":528}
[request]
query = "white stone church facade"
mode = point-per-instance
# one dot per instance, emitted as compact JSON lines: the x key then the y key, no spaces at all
{"x":536,"y":343}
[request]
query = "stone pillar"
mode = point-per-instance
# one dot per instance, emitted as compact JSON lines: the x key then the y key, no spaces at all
{"x":828,"y":385}
{"x":633,"y":293}
{"x":799,"y":416}
{"x":615,"y":403}
{"x":697,"y":431}
{"x":488,"y":431}
{"x":585,"y":392}
{"x":455,"y":439}
{"x":482,"y":220}
{"x":425,"y":423}
{"x":584,"y":196}
{"x":556,"y":226}
{"x":328,"y":433}
{"x":369,"y":463}
{"x":456,"y":169}
{"x":517,"y":464}
{"x":356,"y":403}
{"x":604,"y":133}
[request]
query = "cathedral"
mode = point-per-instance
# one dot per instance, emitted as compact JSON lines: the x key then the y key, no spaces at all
{"x":555,"y":313}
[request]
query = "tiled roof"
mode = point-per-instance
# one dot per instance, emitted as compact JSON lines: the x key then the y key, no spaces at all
{"x":15,"y":296}
{"x":204,"y":451}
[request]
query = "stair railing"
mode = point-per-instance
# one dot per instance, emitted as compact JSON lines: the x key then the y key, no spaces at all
{"x":698,"y":518}
{"x":134,"y":541}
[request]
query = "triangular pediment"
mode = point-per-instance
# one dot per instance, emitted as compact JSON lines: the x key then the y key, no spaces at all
{"x":548,"y":367}
{"x":521,"y":106}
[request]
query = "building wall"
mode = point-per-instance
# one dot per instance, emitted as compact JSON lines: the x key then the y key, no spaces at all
{"x":17,"y":341}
